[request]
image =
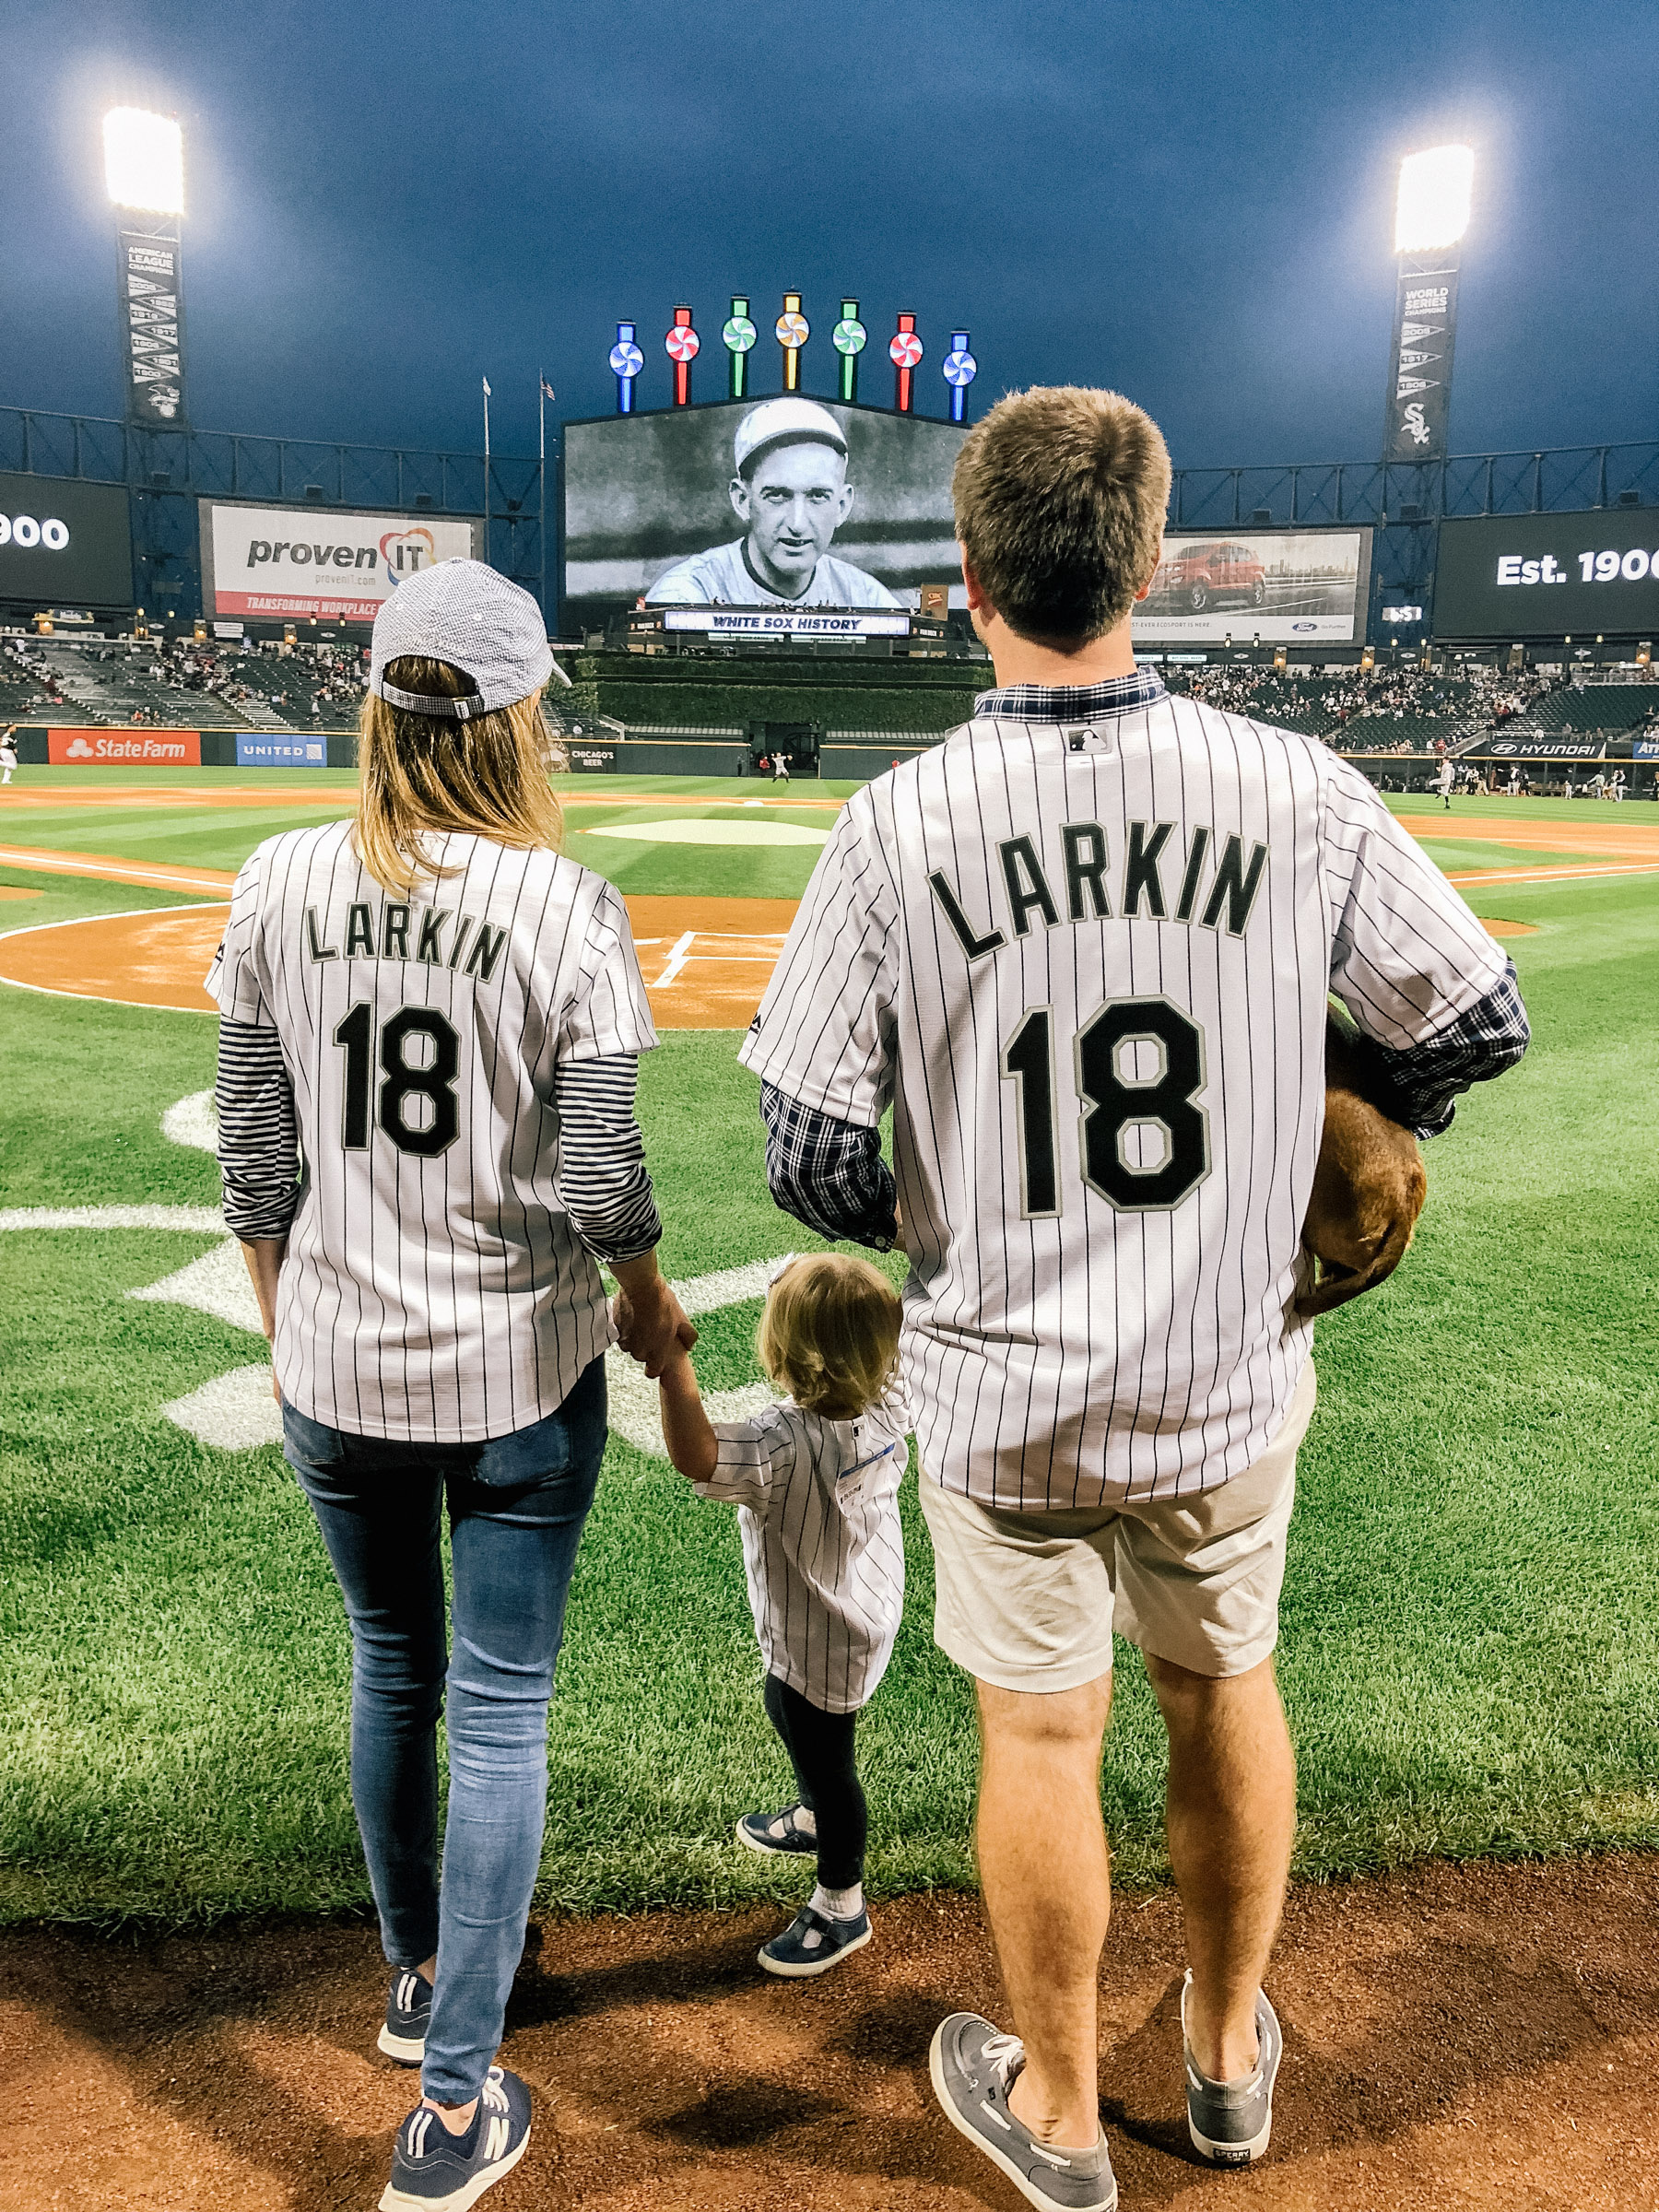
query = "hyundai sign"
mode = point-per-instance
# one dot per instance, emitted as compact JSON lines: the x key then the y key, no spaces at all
{"x":65,"y":543}
{"x":284,"y":563}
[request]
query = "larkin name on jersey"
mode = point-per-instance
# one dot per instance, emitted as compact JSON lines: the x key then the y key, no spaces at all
{"x":433,"y":936}
{"x":1080,"y":861}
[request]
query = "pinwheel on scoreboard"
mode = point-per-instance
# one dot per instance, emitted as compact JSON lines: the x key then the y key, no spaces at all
{"x":626,"y":360}
{"x":958,"y":369}
{"x":904,"y":351}
{"x":682,"y":345}
{"x":849,"y":338}
{"x":738,"y":339}
{"x":792,"y":332}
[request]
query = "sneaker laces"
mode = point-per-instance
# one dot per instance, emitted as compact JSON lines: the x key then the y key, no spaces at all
{"x":1005,"y":2054}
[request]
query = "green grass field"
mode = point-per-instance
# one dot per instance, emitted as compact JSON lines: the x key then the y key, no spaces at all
{"x":1472,"y":1613}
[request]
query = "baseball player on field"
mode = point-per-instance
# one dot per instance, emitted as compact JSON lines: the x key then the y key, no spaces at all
{"x":815,"y":1481}
{"x":1082,"y":947}
{"x":1445,"y":777}
{"x":427,"y":1051}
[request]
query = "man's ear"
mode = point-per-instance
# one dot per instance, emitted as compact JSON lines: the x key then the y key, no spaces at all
{"x":740,"y":499}
{"x":977,"y":603}
{"x":844,"y":506}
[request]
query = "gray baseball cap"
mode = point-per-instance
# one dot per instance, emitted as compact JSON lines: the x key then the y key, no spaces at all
{"x":466,"y":614}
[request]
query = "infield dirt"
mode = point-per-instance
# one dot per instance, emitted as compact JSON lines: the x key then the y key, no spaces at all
{"x":1469,"y":2037}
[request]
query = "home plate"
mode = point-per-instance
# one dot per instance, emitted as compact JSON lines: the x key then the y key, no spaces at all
{"x":233,"y":1413}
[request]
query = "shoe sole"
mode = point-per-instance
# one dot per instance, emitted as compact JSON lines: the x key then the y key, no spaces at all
{"x":817,"y":1966}
{"x":774,"y":1851}
{"x":394,"y":2199}
{"x":965,"y":2129}
{"x":407,"y":2050}
{"x":1231,"y":2154}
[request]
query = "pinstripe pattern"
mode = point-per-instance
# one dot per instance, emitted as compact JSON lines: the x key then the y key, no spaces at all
{"x":258,"y":1135}
{"x":443,"y":1297}
{"x":821,"y":1545}
{"x":1105,"y":1352}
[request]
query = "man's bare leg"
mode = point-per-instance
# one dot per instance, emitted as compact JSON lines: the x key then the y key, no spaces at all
{"x":1046,"y":1878}
{"x":1231,"y":1820}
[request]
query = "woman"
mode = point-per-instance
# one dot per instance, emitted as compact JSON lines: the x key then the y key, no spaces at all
{"x":429,"y":1038}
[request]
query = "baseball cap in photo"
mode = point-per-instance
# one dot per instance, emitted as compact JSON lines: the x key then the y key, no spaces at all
{"x":785,"y":422}
{"x":466,"y":614}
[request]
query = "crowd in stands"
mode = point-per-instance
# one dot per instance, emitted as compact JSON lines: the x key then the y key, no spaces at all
{"x":128,"y":681}
{"x":1344,"y":708}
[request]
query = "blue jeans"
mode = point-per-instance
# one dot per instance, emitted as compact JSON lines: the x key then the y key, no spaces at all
{"x":516,"y":1507}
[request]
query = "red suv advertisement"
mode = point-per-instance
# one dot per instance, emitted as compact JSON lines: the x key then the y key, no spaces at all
{"x":1199,"y":577}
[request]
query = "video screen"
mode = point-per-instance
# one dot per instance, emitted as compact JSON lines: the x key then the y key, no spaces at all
{"x":63,"y":543}
{"x":1288,"y":587}
{"x":1549,"y":575}
{"x":281,"y":563}
{"x":780,"y":502}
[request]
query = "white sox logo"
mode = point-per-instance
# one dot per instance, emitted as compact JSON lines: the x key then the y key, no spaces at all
{"x":1412,"y":421}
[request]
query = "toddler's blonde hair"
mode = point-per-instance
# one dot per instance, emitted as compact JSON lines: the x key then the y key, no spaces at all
{"x":829,"y":1334}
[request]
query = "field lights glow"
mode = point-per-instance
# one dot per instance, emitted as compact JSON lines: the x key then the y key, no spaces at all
{"x":1433,"y":206}
{"x":144,"y":160}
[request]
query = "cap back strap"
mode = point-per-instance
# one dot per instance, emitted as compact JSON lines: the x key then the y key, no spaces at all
{"x":424,"y":702}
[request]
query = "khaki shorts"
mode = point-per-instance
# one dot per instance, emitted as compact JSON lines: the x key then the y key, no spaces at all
{"x":1031,"y":1601}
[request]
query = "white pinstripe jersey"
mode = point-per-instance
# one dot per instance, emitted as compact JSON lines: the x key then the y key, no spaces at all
{"x":821,"y":1545}
{"x":434,"y":1288}
{"x":1088,"y":968}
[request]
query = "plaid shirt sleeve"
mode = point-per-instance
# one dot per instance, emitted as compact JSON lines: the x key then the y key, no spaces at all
{"x":828,"y":1175}
{"x":1485,"y":1039}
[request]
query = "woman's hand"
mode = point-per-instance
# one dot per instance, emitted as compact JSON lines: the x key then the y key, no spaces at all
{"x":650,"y":1321}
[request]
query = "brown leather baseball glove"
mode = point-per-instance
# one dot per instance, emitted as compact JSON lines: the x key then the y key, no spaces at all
{"x":1369,"y":1186}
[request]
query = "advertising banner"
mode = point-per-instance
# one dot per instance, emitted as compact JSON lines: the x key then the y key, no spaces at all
{"x":773,"y":622}
{"x":1547,"y":748}
{"x":284,"y":563}
{"x":124,"y":748}
{"x":1287,"y":587}
{"x":791,"y":504}
{"x":589,"y":759}
{"x":1419,"y":395}
{"x":63,"y":543}
{"x":152,"y":328}
{"x":1549,"y":575}
{"x":281,"y":752}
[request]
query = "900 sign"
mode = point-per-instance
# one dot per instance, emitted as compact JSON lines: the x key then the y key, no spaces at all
{"x":1549,"y":575}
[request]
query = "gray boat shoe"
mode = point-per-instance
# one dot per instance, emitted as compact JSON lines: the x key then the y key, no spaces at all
{"x":1230,"y":2122}
{"x":973,"y":2067}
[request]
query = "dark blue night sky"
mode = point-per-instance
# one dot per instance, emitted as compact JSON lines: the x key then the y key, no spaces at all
{"x":1192,"y":202}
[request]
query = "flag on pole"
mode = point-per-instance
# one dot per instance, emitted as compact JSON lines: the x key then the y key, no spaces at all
{"x":487,"y":393}
{"x":547,"y":388}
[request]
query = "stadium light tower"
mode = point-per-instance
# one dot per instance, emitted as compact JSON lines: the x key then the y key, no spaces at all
{"x":1432,"y":213}
{"x":143,"y":166}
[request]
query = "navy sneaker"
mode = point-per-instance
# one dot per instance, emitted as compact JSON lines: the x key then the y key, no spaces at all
{"x":408,"y":2011}
{"x":1230,"y":2122}
{"x":813,"y":1943}
{"x":778,"y":1833}
{"x":973,"y":2067}
{"x":433,"y":2171}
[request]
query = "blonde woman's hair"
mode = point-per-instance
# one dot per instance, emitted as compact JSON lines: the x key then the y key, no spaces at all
{"x":829,"y":1334}
{"x":424,"y":774}
{"x":1060,"y":497}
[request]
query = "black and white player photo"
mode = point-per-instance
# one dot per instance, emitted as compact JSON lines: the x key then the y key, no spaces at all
{"x":790,"y":491}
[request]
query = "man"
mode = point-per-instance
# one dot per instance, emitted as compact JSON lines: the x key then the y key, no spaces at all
{"x":1083,"y":946}
{"x":1444,"y":777}
{"x":8,"y":752}
{"x":791,"y":495}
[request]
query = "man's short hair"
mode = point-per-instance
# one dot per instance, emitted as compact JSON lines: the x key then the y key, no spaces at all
{"x":1060,"y":497}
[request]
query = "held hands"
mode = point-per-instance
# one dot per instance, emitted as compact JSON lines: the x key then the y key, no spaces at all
{"x":650,"y":1321}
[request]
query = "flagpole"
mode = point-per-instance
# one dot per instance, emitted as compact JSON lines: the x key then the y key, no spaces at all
{"x":486,"y":470}
{"x":541,"y":404}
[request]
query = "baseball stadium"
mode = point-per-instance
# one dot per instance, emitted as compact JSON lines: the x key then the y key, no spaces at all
{"x":1467,"y":1651}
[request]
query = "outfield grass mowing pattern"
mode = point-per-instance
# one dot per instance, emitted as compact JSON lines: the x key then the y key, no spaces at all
{"x":1469,"y":1626}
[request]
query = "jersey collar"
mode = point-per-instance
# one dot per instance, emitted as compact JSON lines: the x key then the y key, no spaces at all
{"x":1071,"y":703}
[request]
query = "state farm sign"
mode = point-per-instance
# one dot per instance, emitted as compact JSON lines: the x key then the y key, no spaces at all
{"x":125,"y":748}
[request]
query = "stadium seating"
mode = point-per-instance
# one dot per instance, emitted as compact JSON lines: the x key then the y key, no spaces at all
{"x":121,"y":683}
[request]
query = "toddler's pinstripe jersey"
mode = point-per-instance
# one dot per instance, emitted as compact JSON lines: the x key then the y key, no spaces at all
{"x":821,"y":1544}
{"x":1088,"y":967}
{"x":434,"y":1288}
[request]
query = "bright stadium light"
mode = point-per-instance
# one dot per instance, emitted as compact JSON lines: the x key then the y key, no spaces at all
{"x":1433,"y":209}
{"x":144,"y":160}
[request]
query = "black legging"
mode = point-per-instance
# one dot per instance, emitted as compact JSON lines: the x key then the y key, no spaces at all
{"x":820,"y":1750}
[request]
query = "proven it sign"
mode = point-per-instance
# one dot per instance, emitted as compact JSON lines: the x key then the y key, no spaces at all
{"x":283,"y":564}
{"x":124,"y":748}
